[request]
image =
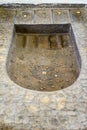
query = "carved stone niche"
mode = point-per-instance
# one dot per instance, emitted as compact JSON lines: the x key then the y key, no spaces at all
{"x":43,"y":57}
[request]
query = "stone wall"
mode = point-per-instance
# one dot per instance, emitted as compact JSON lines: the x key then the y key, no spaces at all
{"x":24,"y":109}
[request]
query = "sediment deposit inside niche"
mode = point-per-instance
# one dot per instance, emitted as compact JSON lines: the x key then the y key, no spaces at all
{"x":43,"y":62}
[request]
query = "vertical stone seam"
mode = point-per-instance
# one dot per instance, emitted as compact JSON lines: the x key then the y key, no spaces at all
{"x":34,"y":17}
{"x":15,"y":16}
{"x":52,"y":18}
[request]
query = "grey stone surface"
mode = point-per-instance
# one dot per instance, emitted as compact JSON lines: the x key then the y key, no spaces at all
{"x":43,"y":16}
{"x":23,"y":109}
{"x":25,"y":15}
{"x":61,"y":16}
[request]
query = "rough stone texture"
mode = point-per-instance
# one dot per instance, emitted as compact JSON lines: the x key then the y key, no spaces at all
{"x":23,"y":16}
{"x":43,"y":16}
{"x":61,"y":16}
{"x":23,"y":109}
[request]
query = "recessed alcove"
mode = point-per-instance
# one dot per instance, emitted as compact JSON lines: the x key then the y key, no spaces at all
{"x":43,"y":57}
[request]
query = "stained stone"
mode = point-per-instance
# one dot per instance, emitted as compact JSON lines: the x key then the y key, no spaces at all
{"x":45,"y":100}
{"x":32,"y":109}
{"x":61,"y":103}
{"x":54,"y":122}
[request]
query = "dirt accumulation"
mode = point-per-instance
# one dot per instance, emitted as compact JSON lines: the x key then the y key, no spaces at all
{"x":43,"y":62}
